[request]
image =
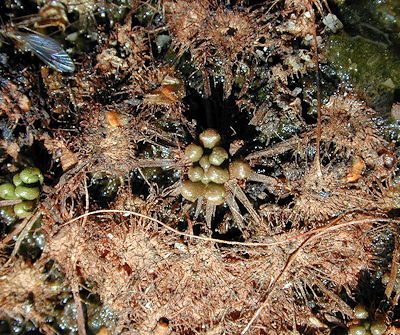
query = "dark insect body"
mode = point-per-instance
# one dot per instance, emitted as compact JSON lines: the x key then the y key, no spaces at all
{"x":44,"y":47}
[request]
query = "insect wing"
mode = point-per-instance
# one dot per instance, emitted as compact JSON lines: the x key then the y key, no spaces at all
{"x":49,"y":51}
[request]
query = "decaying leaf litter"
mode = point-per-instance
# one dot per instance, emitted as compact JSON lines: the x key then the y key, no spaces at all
{"x":286,"y":249}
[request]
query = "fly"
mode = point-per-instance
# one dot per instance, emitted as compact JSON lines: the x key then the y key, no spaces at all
{"x":44,"y":47}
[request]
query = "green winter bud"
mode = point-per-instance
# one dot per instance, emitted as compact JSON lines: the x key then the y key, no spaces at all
{"x":193,"y":152}
{"x":195,"y":173}
{"x":215,"y":194}
{"x":192,"y":191}
{"x":378,"y":327}
{"x":218,"y":156}
{"x":360,"y":312}
{"x":7,"y":191}
{"x":17,"y":180}
{"x":31,"y":175}
{"x":204,"y":162}
{"x":23,"y":209}
{"x":217,"y":174}
{"x":28,"y":193}
{"x":357,"y":330}
{"x":209,"y":138}
{"x":240,"y":169}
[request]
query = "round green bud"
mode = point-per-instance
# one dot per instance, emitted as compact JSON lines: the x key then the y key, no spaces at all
{"x":205,"y":162}
{"x":193,"y":152}
{"x":378,"y":327}
{"x":17,"y":180}
{"x":195,"y":173}
{"x":23,"y":209}
{"x":7,"y":191}
{"x":209,"y":138}
{"x":239,"y":169}
{"x":218,"y":156}
{"x":357,"y":330}
{"x":215,"y":194}
{"x":31,"y":175}
{"x":192,"y":191}
{"x":28,"y":193}
{"x":360,"y":312}
{"x":217,"y":175}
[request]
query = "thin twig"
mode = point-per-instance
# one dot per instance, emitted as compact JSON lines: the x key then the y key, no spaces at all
{"x":9,"y":202}
{"x":27,"y":224}
{"x":394,"y":269}
{"x":324,"y":229}
{"x":288,"y":263}
{"x":75,"y":277}
{"x":318,"y":86}
{"x":272,"y":285}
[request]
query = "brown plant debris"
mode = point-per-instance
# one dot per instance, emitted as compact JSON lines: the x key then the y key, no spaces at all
{"x":295,"y":236}
{"x":354,"y":176}
{"x":145,"y":274}
{"x":23,"y":292}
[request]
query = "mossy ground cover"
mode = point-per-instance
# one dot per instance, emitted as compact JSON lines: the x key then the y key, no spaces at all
{"x":302,"y":227}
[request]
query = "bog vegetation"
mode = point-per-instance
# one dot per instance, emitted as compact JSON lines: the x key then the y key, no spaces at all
{"x":196,"y":174}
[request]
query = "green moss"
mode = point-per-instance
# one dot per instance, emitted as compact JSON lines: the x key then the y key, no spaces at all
{"x":378,"y":20}
{"x":369,"y":66}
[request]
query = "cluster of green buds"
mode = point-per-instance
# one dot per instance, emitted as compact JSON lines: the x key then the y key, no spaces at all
{"x":366,"y":325}
{"x":208,"y":174}
{"x":25,"y":187}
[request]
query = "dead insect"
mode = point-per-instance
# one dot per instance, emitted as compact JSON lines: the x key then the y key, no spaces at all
{"x":44,"y":47}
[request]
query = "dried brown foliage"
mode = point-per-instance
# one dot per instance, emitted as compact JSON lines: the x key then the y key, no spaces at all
{"x":146,"y":270}
{"x":348,"y":135}
{"x":24,"y":292}
{"x":109,"y":132}
{"x":227,"y":42}
{"x":216,"y":36}
{"x":145,"y":274}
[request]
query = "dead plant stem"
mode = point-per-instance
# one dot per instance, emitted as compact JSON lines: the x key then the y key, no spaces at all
{"x":317,"y":159}
{"x":27,"y":225}
{"x":75,"y":276}
{"x":394,"y":269}
{"x":288,"y":263}
{"x":329,"y":227}
{"x":315,"y":233}
{"x":272,"y":285}
{"x":9,"y":202}
{"x":80,"y":318}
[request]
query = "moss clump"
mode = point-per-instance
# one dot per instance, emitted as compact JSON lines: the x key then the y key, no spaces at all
{"x":371,"y":67}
